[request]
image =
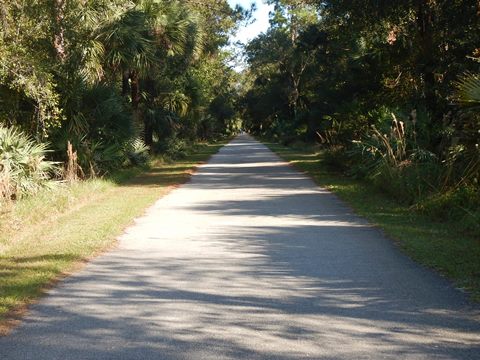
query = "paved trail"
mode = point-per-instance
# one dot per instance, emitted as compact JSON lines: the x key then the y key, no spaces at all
{"x":250,"y":260}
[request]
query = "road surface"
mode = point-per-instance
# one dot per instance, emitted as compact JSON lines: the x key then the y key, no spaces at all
{"x":250,"y":260}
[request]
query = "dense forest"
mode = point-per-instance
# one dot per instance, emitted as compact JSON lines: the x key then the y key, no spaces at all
{"x":90,"y":86}
{"x":389,"y":89}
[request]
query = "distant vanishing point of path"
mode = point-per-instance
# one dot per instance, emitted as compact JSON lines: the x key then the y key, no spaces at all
{"x":250,"y":260}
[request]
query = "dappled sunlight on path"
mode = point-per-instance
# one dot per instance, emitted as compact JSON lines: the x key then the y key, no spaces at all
{"x":250,"y":260}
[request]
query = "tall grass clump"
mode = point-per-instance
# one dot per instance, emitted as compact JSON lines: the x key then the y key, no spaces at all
{"x":23,"y":166}
{"x":393,"y":162}
{"x":442,"y":184}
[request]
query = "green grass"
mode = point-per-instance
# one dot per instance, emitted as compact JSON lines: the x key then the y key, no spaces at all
{"x":51,"y":234}
{"x":438,"y":245}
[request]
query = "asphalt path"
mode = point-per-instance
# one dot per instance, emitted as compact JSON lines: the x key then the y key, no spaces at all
{"x":250,"y":260}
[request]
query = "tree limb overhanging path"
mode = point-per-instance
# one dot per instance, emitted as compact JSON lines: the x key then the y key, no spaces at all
{"x":250,"y":260}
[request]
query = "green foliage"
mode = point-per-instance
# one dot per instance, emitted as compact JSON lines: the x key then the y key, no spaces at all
{"x":334,"y":72}
{"x":23,"y":167}
{"x":137,"y":152}
{"x":27,"y":87}
{"x":174,"y":148}
{"x":468,"y":90}
{"x":106,"y":115}
{"x":463,"y":155}
{"x":394,"y":163}
{"x":103,"y":73}
{"x":461,"y":205}
{"x":100,"y":129}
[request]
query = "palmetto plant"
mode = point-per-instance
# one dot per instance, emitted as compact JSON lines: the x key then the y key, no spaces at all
{"x":175,"y":102}
{"x":468,"y":90}
{"x":137,"y":152}
{"x":23,"y":167}
{"x":466,"y":153}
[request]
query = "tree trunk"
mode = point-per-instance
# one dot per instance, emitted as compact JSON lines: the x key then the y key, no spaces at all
{"x":59,"y":35}
{"x":148,"y":133}
{"x":135,"y":95}
{"x":125,"y":83}
{"x":148,"y":124}
{"x":426,"y":61}
{"x":134,"y":89}
{"x":295,"y":93}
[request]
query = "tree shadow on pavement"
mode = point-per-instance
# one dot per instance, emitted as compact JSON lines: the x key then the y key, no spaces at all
{"x":287,"y":273}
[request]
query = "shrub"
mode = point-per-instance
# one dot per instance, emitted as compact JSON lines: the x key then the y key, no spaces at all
{"x":395,"y":164}
{"x":173,"y":147}
{"x":408,"y":182}
{"x":336,"y":158}
{"x":461,"y":205}
{"x":101,"y":132}
{"x":107,"y":116}
{"x":137,"y":152}
{"x":23,"y":167}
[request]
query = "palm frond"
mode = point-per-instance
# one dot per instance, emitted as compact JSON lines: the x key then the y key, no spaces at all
{"x":176,"y":102}
{"x":468,"y":90}
{"x":23,"y":167}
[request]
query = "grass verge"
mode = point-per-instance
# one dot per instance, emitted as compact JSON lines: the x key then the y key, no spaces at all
{"x":438,"y":245}
{"x":50,"y":235}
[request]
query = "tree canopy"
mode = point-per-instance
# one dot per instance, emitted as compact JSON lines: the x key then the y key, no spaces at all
{"x":388,"y":88}
{"x":101,"y":73}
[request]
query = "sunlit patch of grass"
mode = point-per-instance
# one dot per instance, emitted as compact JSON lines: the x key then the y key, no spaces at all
{"x":52,"y":233}
{"x":440,"y":245}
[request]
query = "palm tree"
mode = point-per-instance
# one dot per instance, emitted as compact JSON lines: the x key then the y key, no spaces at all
{"x":136,"y":40}
{"x":175,"y":32}
{"x":129,"y":49}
